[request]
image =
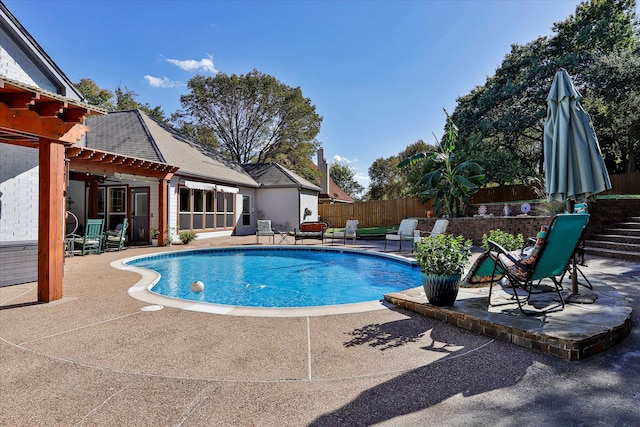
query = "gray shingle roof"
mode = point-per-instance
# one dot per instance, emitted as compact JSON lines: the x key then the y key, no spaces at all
{"x":273,"y":175}
{"x":135,"y":134}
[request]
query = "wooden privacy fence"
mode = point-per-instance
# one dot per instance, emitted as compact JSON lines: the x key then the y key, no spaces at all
{"x":373,"y":213}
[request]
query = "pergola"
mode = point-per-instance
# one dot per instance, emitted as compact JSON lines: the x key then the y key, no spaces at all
{"x":52,"y":124}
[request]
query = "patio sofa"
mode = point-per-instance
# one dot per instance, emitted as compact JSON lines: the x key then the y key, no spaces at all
{"x":310,"y":230}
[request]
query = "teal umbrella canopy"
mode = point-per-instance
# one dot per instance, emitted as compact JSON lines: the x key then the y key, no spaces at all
{"x":573,"y":164}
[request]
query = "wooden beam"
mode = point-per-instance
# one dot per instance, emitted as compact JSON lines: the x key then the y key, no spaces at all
{"x":50,"y":220}
{"x":162,"y":210}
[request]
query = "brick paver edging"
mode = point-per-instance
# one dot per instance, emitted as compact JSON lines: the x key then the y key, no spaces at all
{"x":554,"y":346}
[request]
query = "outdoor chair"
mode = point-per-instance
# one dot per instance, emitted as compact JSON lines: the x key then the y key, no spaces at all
{"x":405,"y":232}
{"x":91,"y":242}
{"x":550,"y":257}
{"x":114,"y":240}
{"x":264,"y":229}
{"x":440,"y":227}
{"x":350,"y":231}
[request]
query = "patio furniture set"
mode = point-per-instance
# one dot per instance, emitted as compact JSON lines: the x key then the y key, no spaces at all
{"x":95,"y":240}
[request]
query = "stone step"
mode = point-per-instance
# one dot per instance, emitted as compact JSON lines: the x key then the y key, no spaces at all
{"x":621,"y":238}
{"x":608,"y":244}
{"x":623,"y":231}
{"x":628,"y":225}
{"x":611,"y":253}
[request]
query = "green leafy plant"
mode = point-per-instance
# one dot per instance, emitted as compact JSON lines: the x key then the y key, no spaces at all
{"x":443,"y":254}
{"x":154,"y":233}
{"x":504,"y":239}
{"x":453,"y":181}
{"x":187,"y":236}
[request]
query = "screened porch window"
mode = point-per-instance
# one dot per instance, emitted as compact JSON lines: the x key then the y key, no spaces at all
{"x":205,"y":210}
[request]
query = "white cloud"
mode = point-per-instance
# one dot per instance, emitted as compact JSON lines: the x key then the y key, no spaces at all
{"x":163,"y":82}
{"x":205,"y":64}
{"x":339,"y":159}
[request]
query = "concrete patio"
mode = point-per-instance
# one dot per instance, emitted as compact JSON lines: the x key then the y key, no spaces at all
{"x":98,"y":357}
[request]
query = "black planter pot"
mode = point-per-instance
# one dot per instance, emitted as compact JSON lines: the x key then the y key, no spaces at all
{"x":441,"y":290}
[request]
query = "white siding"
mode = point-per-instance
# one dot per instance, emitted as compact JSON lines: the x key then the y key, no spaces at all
{"x":15,"y":65}
{"x":18,"y":193}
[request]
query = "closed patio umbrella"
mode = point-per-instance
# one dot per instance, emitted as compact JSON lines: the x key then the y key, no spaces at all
{"x":573,"y":164}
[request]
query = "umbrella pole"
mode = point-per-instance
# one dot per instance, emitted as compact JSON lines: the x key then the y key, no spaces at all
{"x":575,"y":296}
{"x":574,"y":276}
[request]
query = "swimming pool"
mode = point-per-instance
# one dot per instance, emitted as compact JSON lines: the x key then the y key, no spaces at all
{"x":279,"y":277}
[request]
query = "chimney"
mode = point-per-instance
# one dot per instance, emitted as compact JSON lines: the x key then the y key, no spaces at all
{"x":324,"y":170}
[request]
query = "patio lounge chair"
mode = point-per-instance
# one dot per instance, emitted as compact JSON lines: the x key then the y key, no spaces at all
{"x":264,"y":229}
{"x":114,"y":240}
{"x":91,"y":242}
{"x":438,"y":228}
{"x":548,"y":260}
{"x":405,"y":232}
{"x":350,"y":231}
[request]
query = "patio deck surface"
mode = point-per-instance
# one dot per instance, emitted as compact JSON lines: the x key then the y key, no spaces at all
{"x":96,"y":357}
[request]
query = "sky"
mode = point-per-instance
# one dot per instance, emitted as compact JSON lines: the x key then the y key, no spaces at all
{"x":380,"y":73}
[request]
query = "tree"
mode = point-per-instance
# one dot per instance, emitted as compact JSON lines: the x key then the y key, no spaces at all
{"x":101,"y":98}
{"x":343,"y":176}
{"x":386,"y":179}
{"x":614,"y":103}
{"x":125,"y":99}
{"x":254,"y":117}
{"x":451,"y":184}
{"x":390,"y":182}
{"x":501,"y":122}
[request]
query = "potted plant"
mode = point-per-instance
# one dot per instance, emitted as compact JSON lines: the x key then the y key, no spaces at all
{"x":154,"y":232}
{"x":442,"y":259}
{"x":168,"y":238}
{"x":186,"y":236}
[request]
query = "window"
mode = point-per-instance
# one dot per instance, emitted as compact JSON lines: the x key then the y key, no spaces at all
{"x":246,"y":210}
{"x":116,"y":206}
{"x":205,"y":210}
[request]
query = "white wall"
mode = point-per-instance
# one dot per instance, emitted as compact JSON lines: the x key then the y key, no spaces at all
{"x":280,"y":205}
{"x":18,"y":193}
{"x":308,"y":200}
{"x":15,"y":65}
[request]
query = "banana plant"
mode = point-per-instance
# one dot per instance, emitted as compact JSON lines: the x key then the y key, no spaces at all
{"x":452,"y":182}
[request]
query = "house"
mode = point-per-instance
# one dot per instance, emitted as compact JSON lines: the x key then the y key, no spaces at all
{"x":206,"y":193}
{"x":330,"y":192}
{"x":284,"y":197}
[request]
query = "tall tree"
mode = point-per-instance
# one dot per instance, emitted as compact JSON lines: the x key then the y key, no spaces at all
{"x":614,"y":103}
{"x":254,"y":117}
{"x":343,"y":176}
{"x":94,"y":95}
{"x":125,"y":99}
{"x":501,"y":122}
{"x":389,"y":182}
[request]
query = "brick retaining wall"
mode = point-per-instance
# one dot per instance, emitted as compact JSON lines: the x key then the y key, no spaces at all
{"x":473,"y":228}
{"x":604,"y":213}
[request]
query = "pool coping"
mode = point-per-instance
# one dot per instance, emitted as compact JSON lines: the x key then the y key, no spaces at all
{"x":141,"y":290}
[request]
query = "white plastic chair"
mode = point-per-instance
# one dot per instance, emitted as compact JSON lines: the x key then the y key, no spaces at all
{"x":350,"y":231}
{"x":405,"y":232}
{"x":264,"y":229}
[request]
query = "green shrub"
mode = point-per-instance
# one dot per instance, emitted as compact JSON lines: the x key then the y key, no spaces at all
{"x":504,"y":239}
{"x":187,"y":236}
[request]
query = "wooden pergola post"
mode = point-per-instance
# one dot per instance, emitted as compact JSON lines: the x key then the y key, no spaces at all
{"x":51,"y":221}
{"x":162,"y":210}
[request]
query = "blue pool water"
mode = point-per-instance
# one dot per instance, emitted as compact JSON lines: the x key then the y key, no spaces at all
{"x":258,"y":277}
